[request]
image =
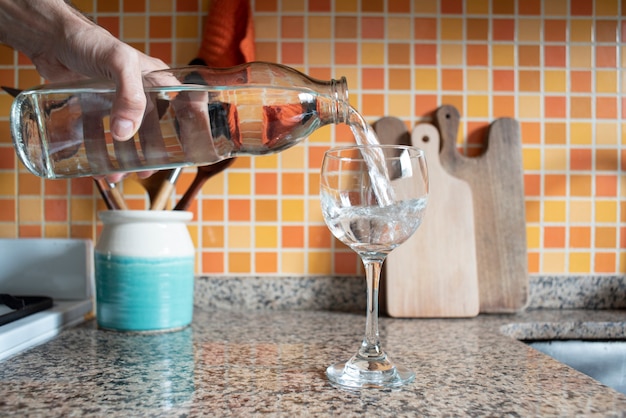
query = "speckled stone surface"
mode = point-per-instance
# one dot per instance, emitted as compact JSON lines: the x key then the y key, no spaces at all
{"x":578,"y":292}
{"x":279,"y":293}
{"x":348,"y":293}
{"x":272,"y":362}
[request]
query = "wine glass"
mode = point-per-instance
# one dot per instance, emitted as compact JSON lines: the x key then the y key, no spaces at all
{"x":373,"y":198}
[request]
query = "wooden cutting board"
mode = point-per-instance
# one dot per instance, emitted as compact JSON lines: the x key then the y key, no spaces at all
{"x":496,"y":179}
{"x":433,"y":274}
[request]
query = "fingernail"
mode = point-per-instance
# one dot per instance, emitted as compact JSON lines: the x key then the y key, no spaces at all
{"x":122,"y":128}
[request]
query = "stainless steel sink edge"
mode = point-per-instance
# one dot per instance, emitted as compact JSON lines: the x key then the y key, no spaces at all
{"x":596,"y":349}
{"x":565,"y":330}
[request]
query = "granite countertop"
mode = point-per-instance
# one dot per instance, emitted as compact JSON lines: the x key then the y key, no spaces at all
{"x":245,"y":363}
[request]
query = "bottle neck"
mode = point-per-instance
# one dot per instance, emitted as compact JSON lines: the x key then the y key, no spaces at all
{"x":337,"y":109}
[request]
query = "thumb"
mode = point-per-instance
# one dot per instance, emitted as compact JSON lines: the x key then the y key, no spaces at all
{"x":128,"y":106}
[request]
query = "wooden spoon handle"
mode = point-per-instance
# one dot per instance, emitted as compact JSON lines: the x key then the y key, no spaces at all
{"x":204,"y":173}
{"x":110,"y":194}
{"x":191,"y":192}
{"x":165,"y":191}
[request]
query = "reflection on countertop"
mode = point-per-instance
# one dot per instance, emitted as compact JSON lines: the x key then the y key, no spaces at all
{"x":248,"y":362}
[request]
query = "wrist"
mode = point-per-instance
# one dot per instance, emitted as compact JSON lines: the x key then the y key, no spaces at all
{"x":35,"y":26}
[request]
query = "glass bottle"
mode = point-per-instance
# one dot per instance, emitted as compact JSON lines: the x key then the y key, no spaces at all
{"x":195,"y":116}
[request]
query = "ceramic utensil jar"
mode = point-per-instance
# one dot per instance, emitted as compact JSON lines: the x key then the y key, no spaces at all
{"x":144,"y":263}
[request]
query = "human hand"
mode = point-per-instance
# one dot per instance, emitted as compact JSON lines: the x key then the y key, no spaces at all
{"x":64,"y":45}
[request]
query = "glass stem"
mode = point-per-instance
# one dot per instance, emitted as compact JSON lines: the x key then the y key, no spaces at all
{"x":370,"y":347}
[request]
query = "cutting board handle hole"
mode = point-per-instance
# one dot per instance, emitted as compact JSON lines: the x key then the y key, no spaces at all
{"x":425,"y":139}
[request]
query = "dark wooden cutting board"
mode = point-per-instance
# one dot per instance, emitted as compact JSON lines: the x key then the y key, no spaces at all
{"x":433,"y":274}
{"x":496,"y":178}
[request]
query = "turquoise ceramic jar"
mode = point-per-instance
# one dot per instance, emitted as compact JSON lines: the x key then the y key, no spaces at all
{"x":144,"y":264}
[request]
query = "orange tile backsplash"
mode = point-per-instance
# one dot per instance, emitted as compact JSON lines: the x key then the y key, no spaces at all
{"x":557,"y":66}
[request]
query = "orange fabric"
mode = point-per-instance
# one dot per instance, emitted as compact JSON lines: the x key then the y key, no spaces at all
{"x":228,"y":37}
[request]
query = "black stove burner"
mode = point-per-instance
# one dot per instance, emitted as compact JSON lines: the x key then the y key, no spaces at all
{"x":22,"y":306}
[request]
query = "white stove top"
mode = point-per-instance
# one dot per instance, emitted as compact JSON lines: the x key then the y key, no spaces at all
{"x":58,"y":268}
{"x":39,"y":327}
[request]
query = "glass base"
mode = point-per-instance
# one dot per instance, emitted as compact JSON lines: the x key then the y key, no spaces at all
{"x":360,"y":372}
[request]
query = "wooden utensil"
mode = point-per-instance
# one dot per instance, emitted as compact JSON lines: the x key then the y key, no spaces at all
{"x":433,"y":274}
{"x":110,"y":194}
{"x":497,"y":181}
{"x":11,"y":90}
{"x":204,"y":173}
{"x":160,"y":199}
{"x":154,"y":183}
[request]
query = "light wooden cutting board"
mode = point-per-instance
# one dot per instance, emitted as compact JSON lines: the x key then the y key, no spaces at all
{"x":496,"y":179}
{"x":433,"y":274}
